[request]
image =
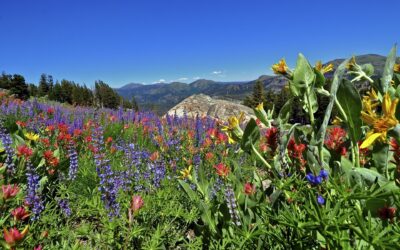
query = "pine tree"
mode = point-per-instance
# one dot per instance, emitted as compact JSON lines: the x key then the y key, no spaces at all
{"x":257,"y":97}
{"x":135,"y":105}
{"x":19,"y":88}
{"x":105,"y":96}
{"x":33,"y":90}
{"x":5,"y":81}
{"x":43,"y":85}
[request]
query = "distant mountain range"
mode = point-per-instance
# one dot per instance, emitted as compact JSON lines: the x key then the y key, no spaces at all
{"x":163,"y":96}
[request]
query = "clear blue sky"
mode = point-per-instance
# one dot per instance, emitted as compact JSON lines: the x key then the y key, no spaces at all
{"x":145,"y":41}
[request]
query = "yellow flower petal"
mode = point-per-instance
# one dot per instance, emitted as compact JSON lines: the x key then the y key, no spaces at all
{"x":370,"y":139}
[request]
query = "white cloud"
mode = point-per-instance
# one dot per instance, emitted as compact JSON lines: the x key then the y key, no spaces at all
{"x":196,"y":78}
{"x":216,"y":72}
{"x":160,"y":81}
{"x":183,"y":79}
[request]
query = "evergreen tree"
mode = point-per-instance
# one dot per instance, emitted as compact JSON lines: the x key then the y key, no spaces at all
{"x":56,"y":93}
{"x":50,"y":82}
{"x":105,"y":96}
{"x":19,"y":88}
{"x":135,"y":105}
{"x":66,"y":91}
{"x":43,"y":85}
{"x":257,"y":97}
{"x":87,"y":96}
{"x":5,"y":81}
{"x":33,"y":89}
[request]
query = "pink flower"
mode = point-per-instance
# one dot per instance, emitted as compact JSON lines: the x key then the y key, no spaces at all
{"x":20,"y":213}
{"x":9,"y":191}
{"x":13,"y":236}
{"x":249,"y":188}
{"x":136,"y":203}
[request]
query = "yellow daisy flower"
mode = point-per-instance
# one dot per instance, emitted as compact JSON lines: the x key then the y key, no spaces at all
{"x":280,"y":67}
{"x":381,"y":124}
{"x":323,"y":69}
{"x":186,"y":173}
{"x":31,"y":136}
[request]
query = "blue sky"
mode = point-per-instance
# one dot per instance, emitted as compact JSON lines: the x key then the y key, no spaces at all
{"x":147,"y":41}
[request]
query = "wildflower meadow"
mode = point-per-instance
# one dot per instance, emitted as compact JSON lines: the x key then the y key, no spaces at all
{"x":93,"y":178}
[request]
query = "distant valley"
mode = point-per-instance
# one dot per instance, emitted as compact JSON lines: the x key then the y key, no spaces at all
{"x":162,"y":96}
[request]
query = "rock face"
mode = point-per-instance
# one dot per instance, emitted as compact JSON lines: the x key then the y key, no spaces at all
{"x":204,"y":105}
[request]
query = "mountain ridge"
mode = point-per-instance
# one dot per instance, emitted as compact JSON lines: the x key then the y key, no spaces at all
{"x":163,"y":96}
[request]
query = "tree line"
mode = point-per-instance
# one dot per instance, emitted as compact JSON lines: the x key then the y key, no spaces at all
{"x":66,"y":91}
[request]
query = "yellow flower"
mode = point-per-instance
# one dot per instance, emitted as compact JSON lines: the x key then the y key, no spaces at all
{"x":351,"y":64}
{"x":186,"y":173}
{"x":337,"y":121}
{"x":396,"y":68}
{"x":260,"y":107}
{"x":370,"y":101}
{"x":233,"y":130}
{"x":323,"y":69}
{"x":31,"y":136}
{"x":233,"y":122}
{"x":381,"y":124}
{"x":280,"y":67}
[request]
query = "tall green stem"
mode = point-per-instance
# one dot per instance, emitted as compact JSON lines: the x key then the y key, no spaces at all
{"x":310,"y":111}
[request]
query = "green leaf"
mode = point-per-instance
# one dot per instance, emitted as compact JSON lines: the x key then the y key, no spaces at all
{"x":250,"y":136}
{"x":380,"y":157}
{"x":303,"y":75}
{"x":192,"y":194}
{"x":388,"y":70}
{"x":319,"y":78}
{"x":369,"y":175}
{"x":284,"y":113}
{"x":350,"y":101}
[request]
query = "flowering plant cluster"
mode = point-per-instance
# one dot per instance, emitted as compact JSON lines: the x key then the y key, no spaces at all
{"x":85,"y":178}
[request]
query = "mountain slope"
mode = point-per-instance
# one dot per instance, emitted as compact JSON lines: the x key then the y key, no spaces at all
{"x":163,"y":96}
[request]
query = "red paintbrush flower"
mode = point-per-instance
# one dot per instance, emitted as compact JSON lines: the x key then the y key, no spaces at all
{"x":271,"y":136}
{"x":77,"y":132}
{"x":336,"y":139}
{"x":21,"y":124}
{"x":50,"y":111}
{"x":209,"y":156}
{"x":23,"y":150}
{"x":222,"y":170}
{"x":20,"y":213}
{"x":296,"y":152}
{"x":9,"y":191}
{"x":13,"y":236}
{"x":386,"y":213}
{"x":249,"y":188}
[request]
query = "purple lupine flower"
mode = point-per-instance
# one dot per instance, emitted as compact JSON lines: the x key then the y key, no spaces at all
{"x":232,"y":205}
{"x":323,"y":174}
{"x":64,"y":205}
{"x":7,"y":142}
{"x":216,"y":187}
{"x":108,"y":185}
{"x":321,"y":200}
{"x":73,"y":162}
{"x":199,"y":131}
{"x":33,"y":197}
{"x":313,"y":180}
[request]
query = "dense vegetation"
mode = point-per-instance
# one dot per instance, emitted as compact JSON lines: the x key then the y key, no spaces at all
{"x":96,"y":178}
{"x":65,"y":92}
